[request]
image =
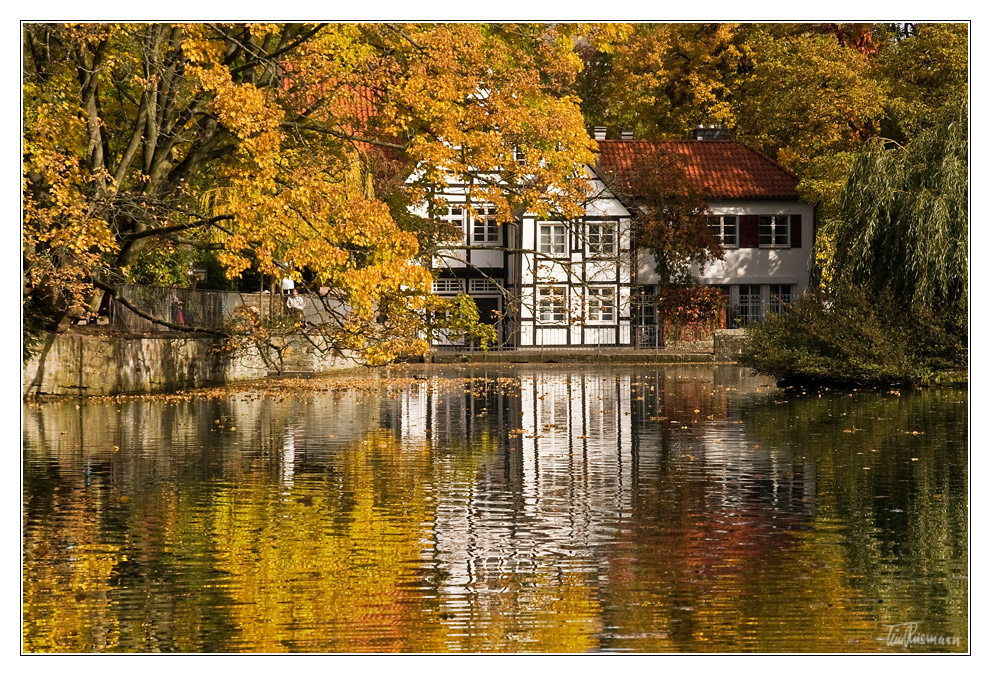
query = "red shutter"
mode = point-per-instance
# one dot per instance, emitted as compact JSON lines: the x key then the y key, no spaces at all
{"x":796,"y":231}
{"x":748,"y":231}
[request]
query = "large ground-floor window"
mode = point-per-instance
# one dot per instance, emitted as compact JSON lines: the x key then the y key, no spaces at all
{"x":749,"y":308}
{"x":601,"y":304}
{"x":550,"y":304}
{"x":749,"y":303}
{"x":780,"y":296}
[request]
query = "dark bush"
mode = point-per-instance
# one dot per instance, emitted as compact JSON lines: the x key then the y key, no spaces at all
{"x":854,"y":339}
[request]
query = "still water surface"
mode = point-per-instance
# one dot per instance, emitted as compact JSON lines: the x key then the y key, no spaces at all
{"x":512,"y":508}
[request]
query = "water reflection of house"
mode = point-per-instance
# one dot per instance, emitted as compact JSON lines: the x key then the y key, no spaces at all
{"x":550,"y":466}
{"x":552,"y":469}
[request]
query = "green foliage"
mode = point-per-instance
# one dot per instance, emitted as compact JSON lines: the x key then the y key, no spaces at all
{"x":903,"y":218}
{"x":161,"y":263}
{"x":36,"y":322}
{"x":926,"y":70}
{"x":807,"y":96}
{"x":856,"y":339}
{"x":457,"y":318}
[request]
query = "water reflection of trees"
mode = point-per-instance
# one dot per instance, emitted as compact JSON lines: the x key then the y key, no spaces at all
{"x":533,"y":509}
{"x":697,"y":495}
{"x":893,"y":485}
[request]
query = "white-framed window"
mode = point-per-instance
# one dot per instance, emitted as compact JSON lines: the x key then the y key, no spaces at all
{"x":482,"y":286}
{"x":550,"y":304}
{"x":485,"y":227}
{"x":773,"y":231}
{"x":552,"y":239}
{"x":723,"y":228}
{"x":601,"y":304}
{"x":780,"y":297}
{"x":447,"y":285}
{"x":749,"y":306}
{"x":455,"y":216}
{"x":602,"y":238}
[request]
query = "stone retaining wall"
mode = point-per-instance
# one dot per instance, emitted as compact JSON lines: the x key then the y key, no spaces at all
{"x":83,"y":364}
{"x":728,"y":344}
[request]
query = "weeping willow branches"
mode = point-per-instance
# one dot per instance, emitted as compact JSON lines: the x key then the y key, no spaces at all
{"x":903,"y":222}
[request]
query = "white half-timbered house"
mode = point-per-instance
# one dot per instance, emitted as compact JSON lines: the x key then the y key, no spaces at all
{"x":585,"y":283}
{"x":575,"y":276}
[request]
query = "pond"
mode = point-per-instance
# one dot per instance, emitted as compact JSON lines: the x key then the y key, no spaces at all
{"x":514,"y":508}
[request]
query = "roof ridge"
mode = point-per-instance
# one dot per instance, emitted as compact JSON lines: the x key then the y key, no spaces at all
{"x":771,"y":160}
{"x":724,"y":169}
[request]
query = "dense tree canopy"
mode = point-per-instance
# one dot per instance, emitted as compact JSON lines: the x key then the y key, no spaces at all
{"x":284,"y":149}
{"x":808,"y":95}
{"x":277,"y":146}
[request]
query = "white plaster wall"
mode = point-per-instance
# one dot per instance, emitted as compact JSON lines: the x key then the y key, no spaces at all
{"x":752,"y":265}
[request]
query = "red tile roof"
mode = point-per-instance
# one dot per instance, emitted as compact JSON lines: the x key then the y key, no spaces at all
{"x":719,"y":169}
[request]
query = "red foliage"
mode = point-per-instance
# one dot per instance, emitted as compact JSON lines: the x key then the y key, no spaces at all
{"x":691,"y":311}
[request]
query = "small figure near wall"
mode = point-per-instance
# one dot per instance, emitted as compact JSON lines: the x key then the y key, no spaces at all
{"x":177,"y":315}
{"x":295,"y":304}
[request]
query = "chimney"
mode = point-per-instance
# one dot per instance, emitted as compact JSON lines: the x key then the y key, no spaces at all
{"x":712,"y":133}
{"x":626,"y":135}
{"x":599,"y":133}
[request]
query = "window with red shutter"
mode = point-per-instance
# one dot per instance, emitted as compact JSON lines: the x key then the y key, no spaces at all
{"x":796,"y":231}
{"x":748,"y":231}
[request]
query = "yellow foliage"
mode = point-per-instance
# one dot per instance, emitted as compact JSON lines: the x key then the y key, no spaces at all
{"x":269,"y":143}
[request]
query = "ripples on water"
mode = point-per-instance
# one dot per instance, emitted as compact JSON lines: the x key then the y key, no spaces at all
{"x":500,"y":509}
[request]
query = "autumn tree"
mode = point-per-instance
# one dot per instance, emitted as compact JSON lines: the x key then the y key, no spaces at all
{"x":926,"y":66}
{"x":669,"y":214}
{"x":664,"y":79}
{"x":808,"y":95}
{"x":284,"y":150}
{"x":894,"y":309}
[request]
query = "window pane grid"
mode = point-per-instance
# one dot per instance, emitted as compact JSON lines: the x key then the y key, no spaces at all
{"x":447,"y":285}
{"x":486,"y":228}
{"x":773,"y":231}
{"x":602,"y":238}
{"x":552,"y":239}
{"x":455,"y":216}
{"x":601,"y":307}
{"x":482,"y":286}
{"x":723,"y":228}
{"x":749,"y":304}
{"x":550,"y":301}
{"x":780,"y":297}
